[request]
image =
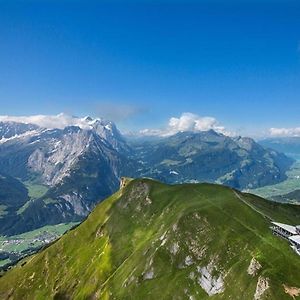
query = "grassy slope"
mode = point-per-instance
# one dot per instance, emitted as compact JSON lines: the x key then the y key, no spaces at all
{"x":128,"y":236}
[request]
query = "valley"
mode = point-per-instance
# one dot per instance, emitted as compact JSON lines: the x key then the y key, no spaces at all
{"x":279,"y":191}
{"x":14,"y":248}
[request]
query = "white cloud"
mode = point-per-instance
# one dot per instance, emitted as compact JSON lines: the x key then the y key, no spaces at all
{"x":187,"y":122}
{"x":51,"y":121}
{"x":281,"y":132}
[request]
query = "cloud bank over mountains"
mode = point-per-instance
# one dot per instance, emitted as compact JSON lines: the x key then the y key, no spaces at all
{"x":187,"y":122}
{"x":285,"y":132}
{"x":59,"y":121}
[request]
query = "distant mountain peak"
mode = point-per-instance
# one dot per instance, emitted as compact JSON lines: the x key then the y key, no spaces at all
{"x":88,"y":118}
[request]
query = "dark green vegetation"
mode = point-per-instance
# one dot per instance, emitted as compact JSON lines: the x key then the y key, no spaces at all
{"x":13,"y":195}
{"x":155,"y":241}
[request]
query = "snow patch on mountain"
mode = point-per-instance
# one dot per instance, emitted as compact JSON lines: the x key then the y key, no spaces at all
{"x":30,"y":133}
{"x":174,"y":172}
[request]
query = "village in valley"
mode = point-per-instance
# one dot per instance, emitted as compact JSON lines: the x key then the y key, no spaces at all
{"x":14,"y":248}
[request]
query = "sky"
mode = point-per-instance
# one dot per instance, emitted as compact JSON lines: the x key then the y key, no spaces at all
{"x":146,"y":64}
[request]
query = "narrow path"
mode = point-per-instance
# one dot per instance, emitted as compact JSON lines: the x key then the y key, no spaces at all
{"x":251,"y":206}
{"x":253,"y":231}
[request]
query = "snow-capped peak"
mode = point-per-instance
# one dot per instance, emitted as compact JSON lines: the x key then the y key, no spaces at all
{"x":59,"y":121}
{"x":16,"y":126}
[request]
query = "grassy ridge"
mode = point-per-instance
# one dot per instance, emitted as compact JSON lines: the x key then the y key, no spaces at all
{"x":149,"y":240}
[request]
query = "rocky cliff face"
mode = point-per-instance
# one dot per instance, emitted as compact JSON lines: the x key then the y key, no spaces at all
{"x":51,"y":153}
{"x":79,"y":166}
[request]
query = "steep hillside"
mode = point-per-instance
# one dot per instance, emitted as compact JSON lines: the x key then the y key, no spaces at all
{"x":13,"y":195}
{"x":209,"y":156}
{"x":155,"y":241}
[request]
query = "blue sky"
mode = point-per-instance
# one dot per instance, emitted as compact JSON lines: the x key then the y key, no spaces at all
{"x":142,"y":63}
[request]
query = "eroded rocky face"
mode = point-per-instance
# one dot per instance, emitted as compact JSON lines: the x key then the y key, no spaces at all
{"x":78,"y":165}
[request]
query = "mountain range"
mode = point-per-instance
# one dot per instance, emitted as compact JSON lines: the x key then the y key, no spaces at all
{"x":288,"y":145}
{"x":208,"y":156}
{"x":62,"y":172}
{"x":155,"y":241}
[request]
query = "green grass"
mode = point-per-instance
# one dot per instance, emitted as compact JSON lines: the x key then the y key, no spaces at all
{"x":289,"y":185}
{"x":35,"y":190}
{"x":49,"y":200}
{"x":133,"y":233}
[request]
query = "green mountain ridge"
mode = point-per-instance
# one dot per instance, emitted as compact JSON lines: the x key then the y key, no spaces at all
{"x":156,"y":241}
